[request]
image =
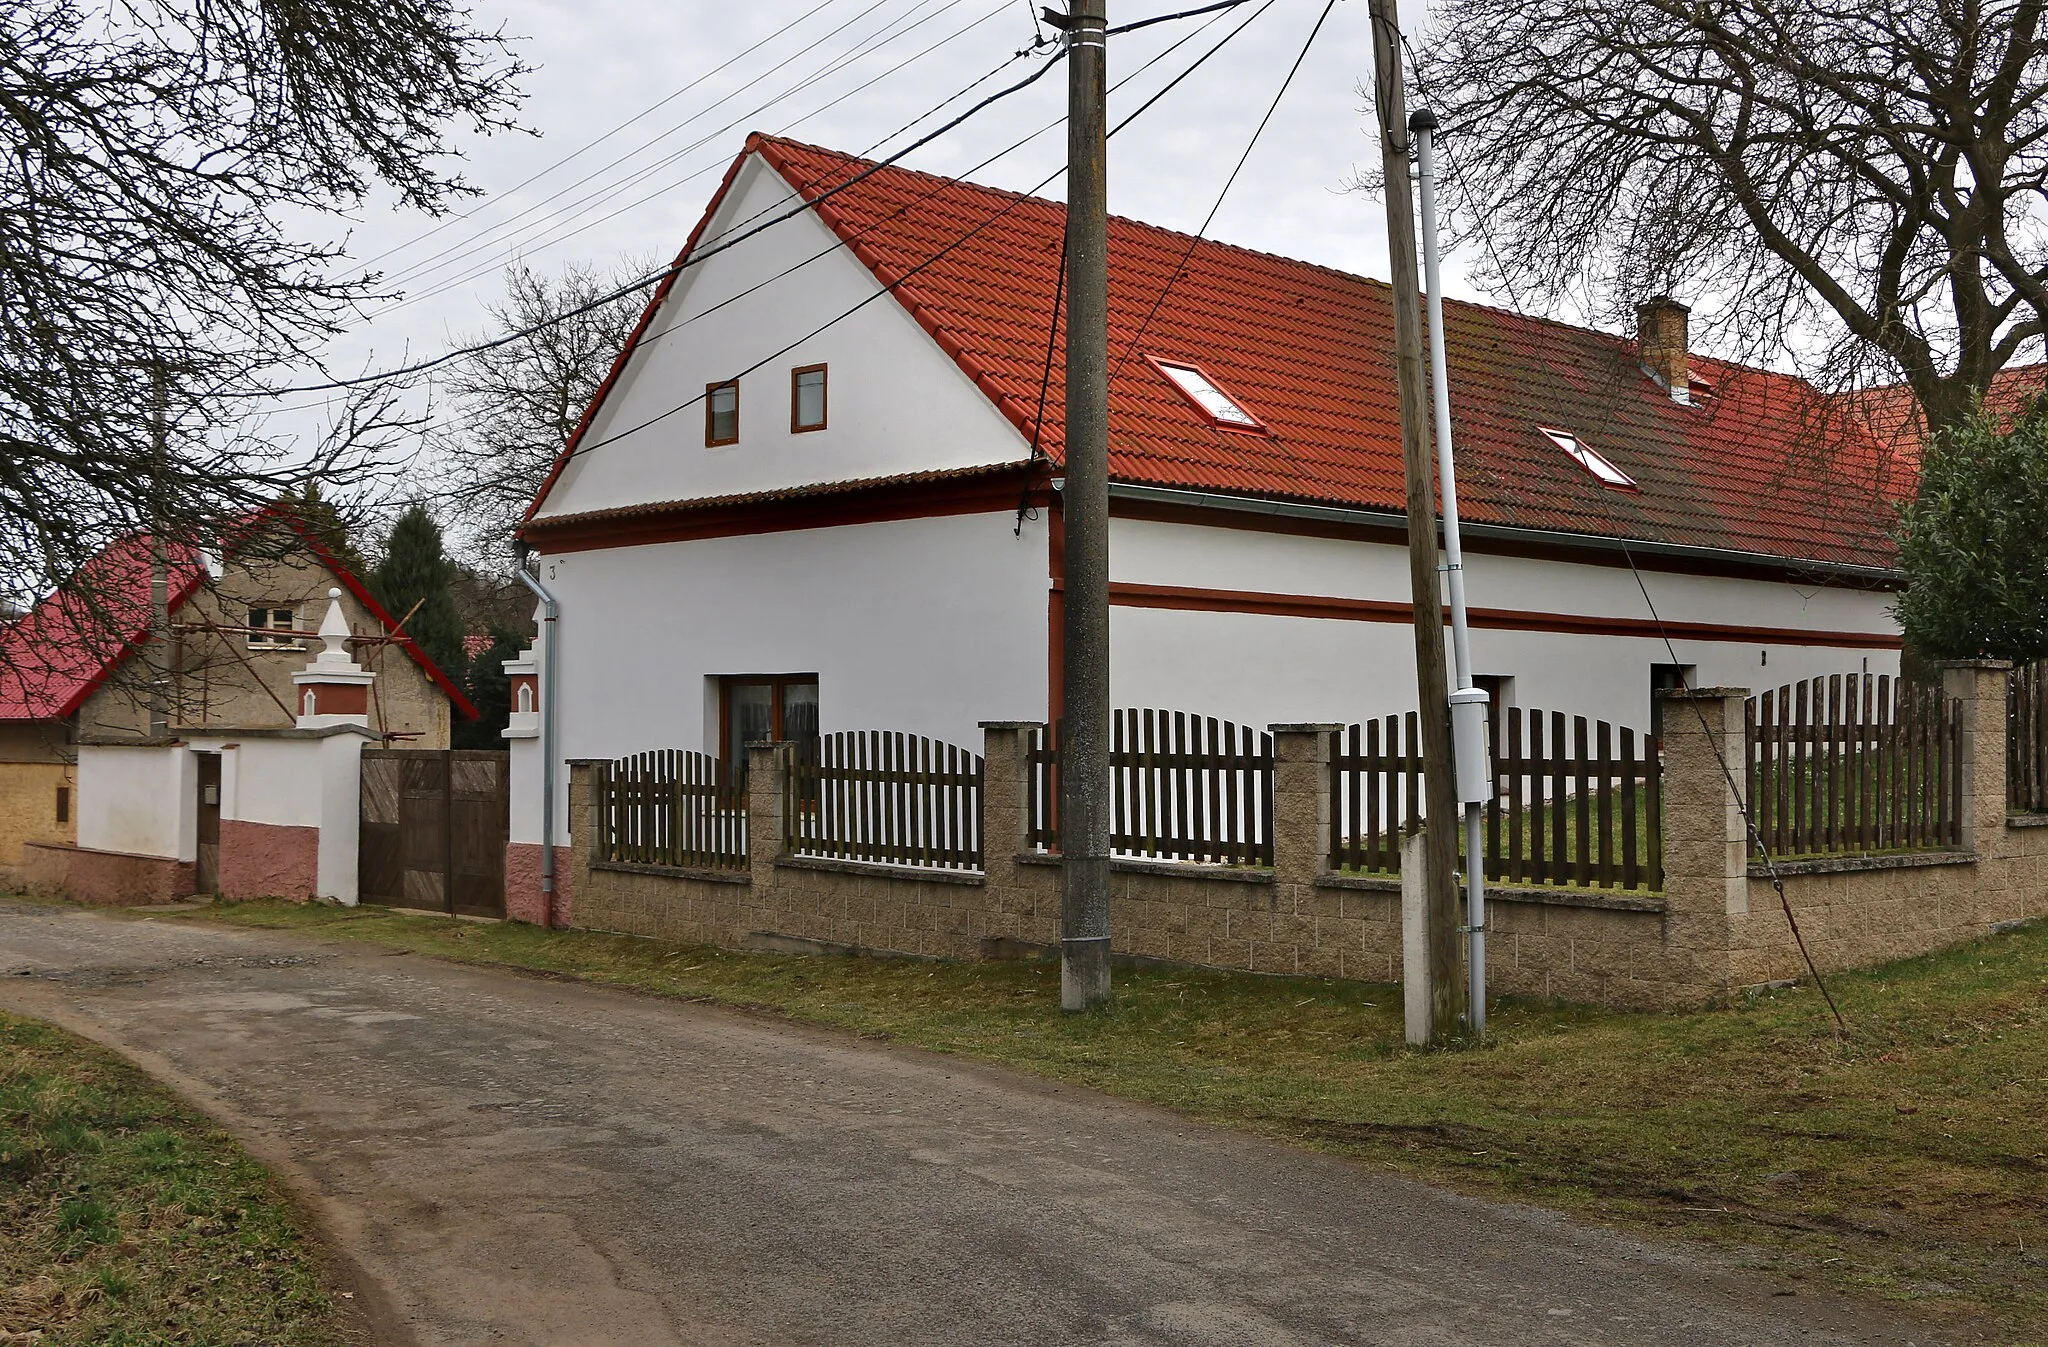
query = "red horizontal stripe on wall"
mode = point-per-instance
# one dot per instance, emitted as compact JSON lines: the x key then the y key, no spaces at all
{"x":1125,"y":595}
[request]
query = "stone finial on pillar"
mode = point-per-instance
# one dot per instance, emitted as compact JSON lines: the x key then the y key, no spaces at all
{"x":333,"y":689}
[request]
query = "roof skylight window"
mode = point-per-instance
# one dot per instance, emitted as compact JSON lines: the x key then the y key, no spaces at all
{"x":1589,"y":459}
{"x":1201,"y":390}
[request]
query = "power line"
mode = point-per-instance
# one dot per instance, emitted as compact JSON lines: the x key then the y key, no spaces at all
{"x":892,"y":286}
{"x":584,"y":224}
{"x":831,"y":67}
{"x":838,"y":243}
{"x":1169,"y":18}
{"x":705,"y":253}
{"x":587,"y":146}
{"x":1195,"y":240}
{"x":1615,"y":530}
{"x":696,"y":258}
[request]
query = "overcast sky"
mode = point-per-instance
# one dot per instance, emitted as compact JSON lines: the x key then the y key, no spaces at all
{"x":581,"y":189}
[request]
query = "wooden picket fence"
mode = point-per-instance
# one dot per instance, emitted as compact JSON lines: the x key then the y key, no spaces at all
{"x":1574,"y":801}
{"x":1182,"y":787}
{"x":1845,"y":764}
{"x":670,"y":807}
{"x":2026,"y":739}
{"x":886,"y":797}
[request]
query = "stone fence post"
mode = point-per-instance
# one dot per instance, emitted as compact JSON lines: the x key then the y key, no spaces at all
{"x":1706,"y":839}
{"x":1981,"y":685}
{"x":767,"y":781}
{"x":1005,"y":797}
{"x":1301,"y":803}
{"x":574,"y":860}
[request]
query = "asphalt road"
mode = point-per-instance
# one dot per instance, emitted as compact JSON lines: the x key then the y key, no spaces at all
{"x":512,"y":1160}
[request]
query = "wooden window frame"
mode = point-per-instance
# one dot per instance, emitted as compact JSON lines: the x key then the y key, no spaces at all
{"x":776,"y":683}
{"x":259,"y":641}
{"x":1258,"y":424}
{"x":711,"y":440}
{"x":824,"y":398}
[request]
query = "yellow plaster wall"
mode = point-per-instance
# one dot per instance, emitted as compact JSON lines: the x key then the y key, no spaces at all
{"x":28,"y":806}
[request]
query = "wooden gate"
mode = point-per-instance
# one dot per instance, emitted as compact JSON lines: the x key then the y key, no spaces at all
{"x":434,"y":827}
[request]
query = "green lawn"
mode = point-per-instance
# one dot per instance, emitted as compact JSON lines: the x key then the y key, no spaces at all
{"x":127,"y":1219}
{"x":1906,"y":1159}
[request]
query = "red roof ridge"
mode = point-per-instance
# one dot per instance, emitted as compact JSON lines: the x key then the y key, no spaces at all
{"x":757,"y":140}
{"x":974,"y":267}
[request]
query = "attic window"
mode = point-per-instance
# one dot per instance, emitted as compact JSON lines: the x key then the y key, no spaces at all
{"x":273,"y":629}
{"x":1200,"y":389}
{"x":1590,"y":459}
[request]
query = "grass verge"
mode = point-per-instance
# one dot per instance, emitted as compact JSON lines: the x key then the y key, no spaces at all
{"x":1908,"y":1158}
{"x":127,"y":1219}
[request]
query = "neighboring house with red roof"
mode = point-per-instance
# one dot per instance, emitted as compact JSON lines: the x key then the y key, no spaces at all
{"x":72,"y":671}
{"x":756,"y":531}
{"x":1893,"y":413}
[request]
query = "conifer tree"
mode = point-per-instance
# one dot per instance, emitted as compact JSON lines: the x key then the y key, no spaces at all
{"x":415,"y":570}
{"x":491,"y":692}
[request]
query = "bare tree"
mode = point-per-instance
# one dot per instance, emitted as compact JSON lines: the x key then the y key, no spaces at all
{"x":1856,"y":185}
{"x":151,"y":148}
{"x":517,"y":404}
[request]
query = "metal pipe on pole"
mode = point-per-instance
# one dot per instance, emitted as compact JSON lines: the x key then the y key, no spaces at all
{"x":159,"y":662}
{"x":1440,"y":898}
{"x":1468,"y":703}
{"x":1084,"y":506}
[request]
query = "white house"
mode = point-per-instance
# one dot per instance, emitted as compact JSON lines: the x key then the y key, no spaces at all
{"x":819,"y":490}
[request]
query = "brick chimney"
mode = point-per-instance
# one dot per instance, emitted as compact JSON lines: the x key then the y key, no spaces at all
{"x":1660,"y":344}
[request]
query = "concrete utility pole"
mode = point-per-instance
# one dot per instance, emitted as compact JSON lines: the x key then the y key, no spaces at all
{"x":159,"y":661}
{"x":1084,"y":506}
{"x":1447,"y":993}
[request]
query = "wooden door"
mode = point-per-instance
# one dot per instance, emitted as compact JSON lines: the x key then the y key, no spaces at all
{"x":434,"y":828}
{"x":207,"y":872}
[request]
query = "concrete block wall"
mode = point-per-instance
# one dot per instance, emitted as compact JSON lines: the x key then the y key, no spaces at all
{"x":1717,"y":927}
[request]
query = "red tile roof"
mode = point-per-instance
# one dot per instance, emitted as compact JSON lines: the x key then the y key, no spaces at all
{"x":1893,"y":414}
{"x":59,"y":652}
{"x":1768,"y":465}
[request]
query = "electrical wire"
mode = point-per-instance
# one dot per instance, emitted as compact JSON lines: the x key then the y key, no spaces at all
{"x":696,"y":258}
{"x":1169,"y":18}
{"x":891,"y":287}
{"x":838,"y":242}
{"x":455,"y":252}
{"x":1743,"y":803}
{"x":1195,"y":239}
{"x":587,"y":146}
{"x":583,"y":223}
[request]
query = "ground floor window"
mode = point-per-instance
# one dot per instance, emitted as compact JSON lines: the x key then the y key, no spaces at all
{"x":754,"y":707}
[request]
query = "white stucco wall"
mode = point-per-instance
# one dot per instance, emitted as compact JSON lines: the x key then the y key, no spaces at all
{"x":266,"y":780}
{"x":300,"y":783}
{"x":931,"y":626}
{"x":341,"y":778}
{"x":1262,"y":669}
{"x":897,"y":403}
{"x":143,"y":801}
{"x":927,"y":626}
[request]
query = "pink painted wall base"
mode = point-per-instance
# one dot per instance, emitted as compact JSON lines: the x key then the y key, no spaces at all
{"x":268,"y":860}
{"x":523,"y":898}
{"x":104,"y":878}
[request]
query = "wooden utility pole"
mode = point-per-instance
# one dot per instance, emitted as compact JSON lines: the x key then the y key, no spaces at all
{"x":1084,"y":507}
{"x":159,"y":662}
{"x":1446,"y":969}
